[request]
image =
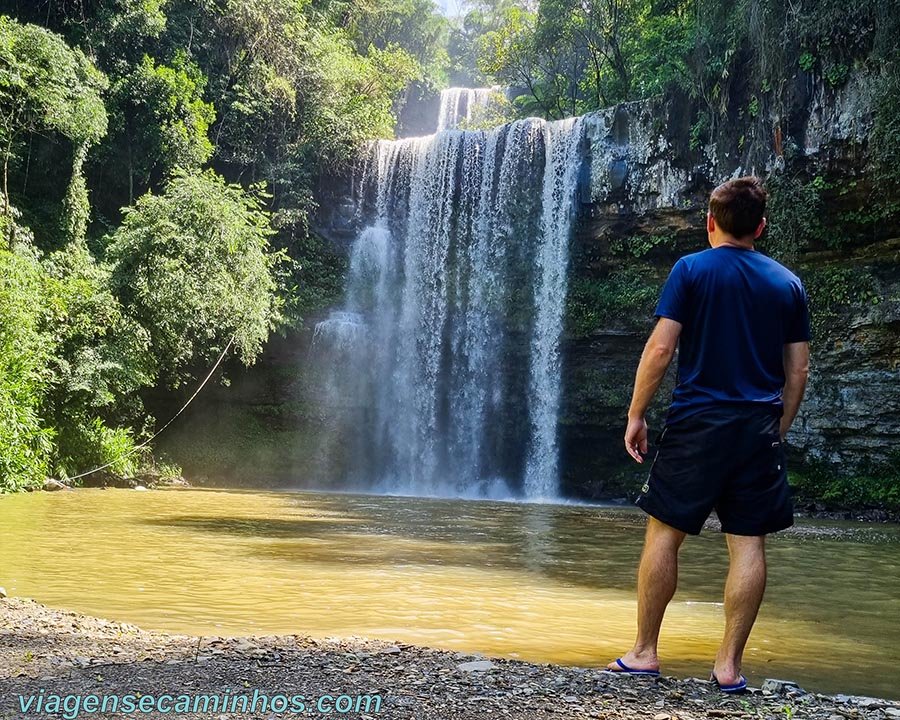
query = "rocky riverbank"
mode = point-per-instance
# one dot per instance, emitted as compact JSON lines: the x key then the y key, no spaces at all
{"x":51,"y":652}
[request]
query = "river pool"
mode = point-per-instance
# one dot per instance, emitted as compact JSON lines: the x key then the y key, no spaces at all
{"x":548,"y":583}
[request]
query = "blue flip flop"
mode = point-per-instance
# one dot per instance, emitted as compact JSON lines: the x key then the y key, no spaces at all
{"x":739,"y":687}
{"x":632,"y":671}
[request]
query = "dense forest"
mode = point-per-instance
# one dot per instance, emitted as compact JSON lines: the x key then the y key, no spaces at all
{"x":163,"y":159}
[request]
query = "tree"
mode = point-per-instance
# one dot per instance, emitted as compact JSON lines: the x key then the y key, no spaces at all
{"x":46,"y":85}
{"x":192,"y":266}
{"x":413,"y":26}
{"x":101,"y":360}
{"x":25,"y":442}
{"x":160,"y":122}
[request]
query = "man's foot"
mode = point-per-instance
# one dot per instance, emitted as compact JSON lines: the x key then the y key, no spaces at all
{"x":727,"y":675}
{"x":736,"y":688}
{"x":633,"y":662}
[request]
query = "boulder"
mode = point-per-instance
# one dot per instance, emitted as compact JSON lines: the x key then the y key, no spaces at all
{"x":781,"y":687}
{"x":51,"y":485}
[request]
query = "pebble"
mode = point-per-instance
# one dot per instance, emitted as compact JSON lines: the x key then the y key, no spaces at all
{"x":476,"y":666}
{"x":2,"y":592}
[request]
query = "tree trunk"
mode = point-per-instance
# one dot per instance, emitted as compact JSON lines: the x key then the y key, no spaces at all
{"x":6,"y":209}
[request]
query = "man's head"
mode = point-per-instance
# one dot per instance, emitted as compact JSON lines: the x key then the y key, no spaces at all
{"x":737,"y":211}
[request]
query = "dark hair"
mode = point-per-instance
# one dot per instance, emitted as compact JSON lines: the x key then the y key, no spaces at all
{"x":738,"y":205}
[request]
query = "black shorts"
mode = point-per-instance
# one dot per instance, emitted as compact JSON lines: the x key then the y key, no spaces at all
{"x":725,"y":458}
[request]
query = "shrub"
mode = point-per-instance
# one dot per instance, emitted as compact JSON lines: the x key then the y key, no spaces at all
{"x":193,"y":268}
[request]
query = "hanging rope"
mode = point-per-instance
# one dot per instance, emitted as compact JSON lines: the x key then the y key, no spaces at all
{"x":158,"y":432}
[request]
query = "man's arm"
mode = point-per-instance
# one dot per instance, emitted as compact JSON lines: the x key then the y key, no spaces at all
{"x":657,"y":355}
{"x":796,"y":371}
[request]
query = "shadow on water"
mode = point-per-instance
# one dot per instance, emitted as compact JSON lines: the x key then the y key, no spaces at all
{"x":545,"y":540}
{"x":580,"y":546}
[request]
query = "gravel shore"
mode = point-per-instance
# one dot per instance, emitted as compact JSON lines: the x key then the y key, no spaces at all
{"x":53,"y":652}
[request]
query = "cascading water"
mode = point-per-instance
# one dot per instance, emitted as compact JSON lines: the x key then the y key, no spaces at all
{"x":447,"y":349}
{"x":460,"y":105}
{"x":560,"y":179}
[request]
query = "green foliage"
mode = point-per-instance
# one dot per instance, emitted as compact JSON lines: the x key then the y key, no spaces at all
{"x":159,"y":122}
{"x":87,"y":443}
{"x":497,"y":111}
{"x":193,"y":267}
{"x":625,"y":297}
{"x":101,"y":357}
{"x":807,"y":61}
{"x":76,"y":204}
{"x":25,"y":443}
{"x":873,"y":487}
{"x":638,"y":246}
{"x":699,"y":132}
{"x":794,"y":216}
{"x":47,"y":86}
{"x":318,"y":280}
{"x":413,"y":26}
{"x":835,"y":288}
{"x":884,"y":141}
{"x":276,"y":93}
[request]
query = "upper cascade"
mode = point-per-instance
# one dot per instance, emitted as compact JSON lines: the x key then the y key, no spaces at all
{"x":463,"y":105}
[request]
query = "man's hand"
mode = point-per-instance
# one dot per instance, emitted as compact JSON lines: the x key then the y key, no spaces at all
{"x":655,"y":359}
{"x":636,"y":438}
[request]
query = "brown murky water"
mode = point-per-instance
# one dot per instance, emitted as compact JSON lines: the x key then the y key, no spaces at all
{"x":550,"y":583}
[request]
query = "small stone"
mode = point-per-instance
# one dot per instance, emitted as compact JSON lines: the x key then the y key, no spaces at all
{"x":51,"y":485}
{"x":781,"y":687}
{"x":662,"y":716}
{"x":476,"y":666}
{"x":892,"y":712}
{"x":391,"y":650}
{"x":139,"y":487}
{"x":870,"y":702}
{"x":2,"y":593}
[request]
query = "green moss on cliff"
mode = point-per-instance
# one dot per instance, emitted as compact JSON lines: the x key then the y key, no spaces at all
{"x":625,"y":298}
{"x":876,"y":487}
{"x":834,"y":289}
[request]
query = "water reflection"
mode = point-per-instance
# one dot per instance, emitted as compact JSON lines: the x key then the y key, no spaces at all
{"x":542,"y":582}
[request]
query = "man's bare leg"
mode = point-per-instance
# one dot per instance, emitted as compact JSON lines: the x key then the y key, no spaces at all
{"x":657,"y":580}
{"x":744,"y":591}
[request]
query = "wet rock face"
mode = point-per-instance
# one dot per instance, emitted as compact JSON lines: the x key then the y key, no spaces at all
{"x":852,"y":413}
{"x":646,"y":182}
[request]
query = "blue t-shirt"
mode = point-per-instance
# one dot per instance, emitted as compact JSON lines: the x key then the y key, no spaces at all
{"x":738,"y":308}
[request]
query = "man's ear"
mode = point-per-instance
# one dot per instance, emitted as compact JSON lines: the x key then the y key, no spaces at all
{"x":759,"y":230}
{"x":710,"y":223}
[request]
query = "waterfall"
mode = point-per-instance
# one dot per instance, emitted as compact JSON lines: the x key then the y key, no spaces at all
{"x":562,"y":141}
{"x":460,"y":105}
{"x":448,"y":342}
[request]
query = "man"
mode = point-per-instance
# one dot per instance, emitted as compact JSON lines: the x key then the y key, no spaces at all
{"x":741,"y":324}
